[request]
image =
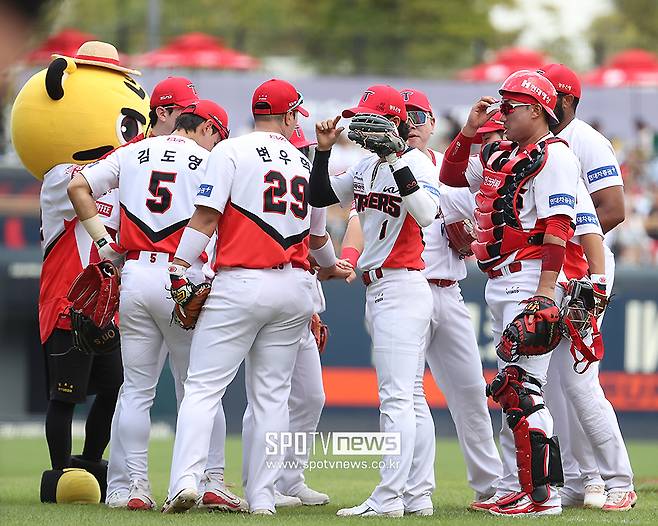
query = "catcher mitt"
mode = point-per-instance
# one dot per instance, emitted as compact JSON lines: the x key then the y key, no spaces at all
{"x":186,"y":313}
{"x":320,"y":332}
{"x":460,"y":236}
{"x":95,"y":293}
{"x":376,"y":134}
{"x":90,"y":339}
{"x":535,"y":331}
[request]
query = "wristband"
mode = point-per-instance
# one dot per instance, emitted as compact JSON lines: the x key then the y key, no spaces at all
{"x":351,"y":254}
{"x":598,"y":278}
{"x":177,"y":271}
{"x":325,"y":255}
{"x":192,"y":244}
{"x":95,"y":228}
{"x":405,"y":180}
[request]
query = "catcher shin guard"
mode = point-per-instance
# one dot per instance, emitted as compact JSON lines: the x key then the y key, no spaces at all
{"x":97,"y":469}
{"x":69,"y":486}
{"x":537,"y":457}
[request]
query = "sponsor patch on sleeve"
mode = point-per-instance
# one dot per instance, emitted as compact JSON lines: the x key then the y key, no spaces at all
{"x":562,"y":200}
{"x":432,"y":189}
{"x":601,"y":173}
{"x":586,"y":219}
{"x":104,"y":209}
{"x":205,"y":190}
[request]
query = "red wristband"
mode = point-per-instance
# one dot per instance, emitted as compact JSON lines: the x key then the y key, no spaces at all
{"x":552,"y":257}
{"x":351,"y":254}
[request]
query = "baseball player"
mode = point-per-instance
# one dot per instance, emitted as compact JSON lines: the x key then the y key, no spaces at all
{"x":452,"y":350}
{"x":590,"y":422}
{"x":526,"y":196}
{"x":157,"y":179}
{"x":254,"y":194}
{"x":396,"y":195}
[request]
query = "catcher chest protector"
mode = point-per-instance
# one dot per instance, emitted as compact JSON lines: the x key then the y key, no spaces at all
{"x":537,"y":456}
{"x":498,"y":229}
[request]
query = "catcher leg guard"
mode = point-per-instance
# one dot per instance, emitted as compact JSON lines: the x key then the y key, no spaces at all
{"x":97,"y":469}
{"x":69,"y":486}
{"x":535,"y":453}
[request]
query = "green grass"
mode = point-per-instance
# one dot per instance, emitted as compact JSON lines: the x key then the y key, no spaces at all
{"x":23,"y":460}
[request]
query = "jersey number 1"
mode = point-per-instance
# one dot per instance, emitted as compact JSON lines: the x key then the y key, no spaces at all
{"x":273,"y":201}
{"x":162,"y":194}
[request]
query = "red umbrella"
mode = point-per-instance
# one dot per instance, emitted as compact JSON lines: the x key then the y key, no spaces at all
{"x":505,"y":62}
{"x":65,"y":42}
{"x":633,"y":67}
{"x":196,"y":50}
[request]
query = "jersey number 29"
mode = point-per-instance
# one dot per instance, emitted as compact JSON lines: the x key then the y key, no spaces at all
{"x":273,"y":201}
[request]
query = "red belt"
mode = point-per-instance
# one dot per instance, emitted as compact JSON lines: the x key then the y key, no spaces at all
{"x":379,"y":274}
{"x":511,"y":269}
{"x":134,"y":254}
{"x":442,"y":282}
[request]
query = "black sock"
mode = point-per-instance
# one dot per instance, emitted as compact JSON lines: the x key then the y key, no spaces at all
{"x":99,"y":423}
{"x":58,"y":432}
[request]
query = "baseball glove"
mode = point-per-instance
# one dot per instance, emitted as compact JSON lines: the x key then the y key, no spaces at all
{"x":460,"y":236}
{"x":95,"y":293}
{"x":90,"y":339}
{"x":376,"y":134}
{"x":186,"y":313}
{"x":535,"y":331}
{"x":320,"y":332}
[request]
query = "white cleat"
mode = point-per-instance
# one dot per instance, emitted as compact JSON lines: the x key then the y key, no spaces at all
{"x":595,"y":496}
{"x":140,"y":497}
{"x":525,"y":507}
{"x":620,"y":501}
{"x":118,"y":499}
{"x":182,"y":502}
{"x":215,"y":496}
{"x":425,"y":512}
{"x":364,"y":510}
{"x":310,"y":497}
{"x":286,"y":501}
{"x":262,"y":512}
{"x":484,"y":504}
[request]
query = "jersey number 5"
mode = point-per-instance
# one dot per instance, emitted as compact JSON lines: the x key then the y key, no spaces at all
{"x":273,"y":201}
{"x":162,"y":194}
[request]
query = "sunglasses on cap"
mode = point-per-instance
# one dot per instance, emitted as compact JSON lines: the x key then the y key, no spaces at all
{"x":300,"y":101}
{"x":418,"y":118}
{"x":221,"y":129}
{"x":506,"y":107}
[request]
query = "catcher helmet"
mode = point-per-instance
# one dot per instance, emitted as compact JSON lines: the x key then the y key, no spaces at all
{"x":531,"y":86}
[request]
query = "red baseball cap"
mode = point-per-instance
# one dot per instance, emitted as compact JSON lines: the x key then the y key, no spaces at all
{"x":276,"y":97}
{"x":416,"y":100}
{"x":380,"y":99}
{"x":563,"y":78}
{"x":209,"y":110}
{"x":177,"y":91}
{"x":299,"y":140}
{"x":495,"y":123}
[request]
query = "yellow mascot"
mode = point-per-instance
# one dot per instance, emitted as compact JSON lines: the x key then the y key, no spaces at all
{"x":68,"y":115}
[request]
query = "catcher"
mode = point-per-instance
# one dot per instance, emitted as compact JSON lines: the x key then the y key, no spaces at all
{"x":157,"y":178}
{"x":526,"y":198}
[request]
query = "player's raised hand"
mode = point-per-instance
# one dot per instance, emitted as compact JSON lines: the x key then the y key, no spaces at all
{"x":327,"y":133}
{"x":478,"y":115}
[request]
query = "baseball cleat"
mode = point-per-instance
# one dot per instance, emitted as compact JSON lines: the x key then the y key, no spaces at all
{"x":364,"y":510}
{"x":425,"y":512}
{"x":262,"y":512}
{"x":183,"y":501}
{"x":595,"y":496}
{"x":118,"y":499}
{"x":484,"y":504}
{"x":286,"y":501}
{"x":525,"y":507}
{"x":620,"y":501}
{"x":215,"y":496}
{"x":310,"y":497}
{"x":140,"y":496}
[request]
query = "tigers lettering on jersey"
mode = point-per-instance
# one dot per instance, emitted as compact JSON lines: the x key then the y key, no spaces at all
{"x":389,"y":204}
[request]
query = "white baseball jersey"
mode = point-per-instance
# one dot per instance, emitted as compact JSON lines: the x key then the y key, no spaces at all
{"x":457,"y":204}
{"x":599,"y":166}
{"x":392,"y":237}
{"x":259,"y":182}
{"x":551,"y":192}
{"x":157,"y":179}
{"x":67,"y":248}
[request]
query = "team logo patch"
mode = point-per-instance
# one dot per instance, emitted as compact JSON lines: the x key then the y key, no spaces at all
{"x":205,"y":190}
{"x":432,"y":189}
{"x":601,"y":173}
{"x":586,"y":219}
{"x":562,"y":200}
{"x":104,"y":209}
